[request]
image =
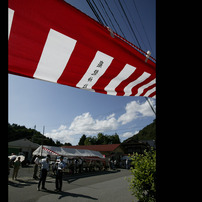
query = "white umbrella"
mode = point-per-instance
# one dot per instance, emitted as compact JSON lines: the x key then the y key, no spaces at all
{"x":22,"y":158}
{"x":12,"y":157}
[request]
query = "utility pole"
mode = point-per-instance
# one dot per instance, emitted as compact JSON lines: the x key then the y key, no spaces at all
{"x":43,"y":129}
{"x":42,"y":141}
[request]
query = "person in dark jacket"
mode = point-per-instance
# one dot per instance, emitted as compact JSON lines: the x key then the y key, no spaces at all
{"x":58,"y":180}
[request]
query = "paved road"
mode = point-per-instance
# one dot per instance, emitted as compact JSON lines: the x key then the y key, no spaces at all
{"x":108,"y":186}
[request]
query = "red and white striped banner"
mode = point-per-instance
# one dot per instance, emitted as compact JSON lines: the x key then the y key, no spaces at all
{"x":50,"y":151}
{"x":53,"y":41}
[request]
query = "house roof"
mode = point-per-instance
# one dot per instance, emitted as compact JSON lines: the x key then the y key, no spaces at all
{"x":100,"y":148}
{"x":23,"y":143}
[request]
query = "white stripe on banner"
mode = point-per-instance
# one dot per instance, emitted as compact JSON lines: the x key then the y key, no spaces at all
{"x":149,"y":92}
{"x":128,"y":88}
{"x":55,"y":56}
{"x":96,"y":69}
{"x":141,"y":89}
{"x":10,"y":20}
{"x":123,"y":75}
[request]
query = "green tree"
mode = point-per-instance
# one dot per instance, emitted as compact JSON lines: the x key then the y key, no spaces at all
{"x":116,"y":139}
{"x":143,"y":181}
{"x":147,"y":133}
{"x":93,"y":140}
{"x":67,"y":144}
{"x":100,"y":138}
{"x":58,"y":143}
{"x":16,"y":132}
{"x":88,"y":141}
{"x":82,"y":139}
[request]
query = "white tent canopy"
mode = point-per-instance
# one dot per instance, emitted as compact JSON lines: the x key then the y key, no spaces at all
{"x":44,"y":150}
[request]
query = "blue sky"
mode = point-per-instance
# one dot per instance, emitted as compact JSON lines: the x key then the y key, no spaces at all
{"x":66,"y":112}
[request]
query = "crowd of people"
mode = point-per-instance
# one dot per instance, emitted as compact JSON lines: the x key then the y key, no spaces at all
{"x":44,"y":165}
{"x":60,"y":165}
{"x":56,"y":167}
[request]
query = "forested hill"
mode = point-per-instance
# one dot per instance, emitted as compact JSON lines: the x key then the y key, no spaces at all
{"x":16,"y":132}
{"x":147,"y":133}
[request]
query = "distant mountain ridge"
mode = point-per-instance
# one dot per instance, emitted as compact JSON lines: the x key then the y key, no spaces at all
{"x":147,"y":133}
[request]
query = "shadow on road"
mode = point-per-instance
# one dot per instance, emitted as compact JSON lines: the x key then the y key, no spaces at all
{"x":20,"y":183}
{"x":72,"y":178}
{"x":69,"y":178}
{"x":64,"y":194}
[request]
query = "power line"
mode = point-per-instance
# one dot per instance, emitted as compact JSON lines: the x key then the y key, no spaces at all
{"x":142,"y":24}
{"x":107,"y":15}
{"x":99,"y":12}
{"x":129,"y":22}
{"x":122,"y":17}
{"x":103,"y":12}
{"x":114,"y":18}
{"x":95,"y":12}
{"x":128,"y":11}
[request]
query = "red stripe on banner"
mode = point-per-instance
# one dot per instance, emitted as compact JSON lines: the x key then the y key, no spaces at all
{"x":138,"y":89}
{"x":138,"y":72}
{"x":146,"y":90}
{"x":153,"y":95}
{"x":113,"y":70}
{"x":49,"y":150}
{"x":88,"y":57}
{"x":25,"y":45}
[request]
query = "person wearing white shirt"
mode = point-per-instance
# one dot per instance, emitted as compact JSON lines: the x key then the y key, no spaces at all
{"x":44,"y":169}
{"x":58,"y":180}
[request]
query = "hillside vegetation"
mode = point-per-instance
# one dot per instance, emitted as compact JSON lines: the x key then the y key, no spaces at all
{"x":147,"y":133}
{"x":16,"y":132}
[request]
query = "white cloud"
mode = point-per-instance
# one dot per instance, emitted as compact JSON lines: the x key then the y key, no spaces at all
{"x":86,"y":124}
{"x":136,"y":132}
{"x":83,"y":124}
{"x":62,"y":134}
{"x":127,"y":134}
{"x":135,"y":110}
{"x":62,"y":127}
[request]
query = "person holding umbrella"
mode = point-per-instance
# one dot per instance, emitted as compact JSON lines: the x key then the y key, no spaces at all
{"x":16,"y":166}
{"x":12,"y":159}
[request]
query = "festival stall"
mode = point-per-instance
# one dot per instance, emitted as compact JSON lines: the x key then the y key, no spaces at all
{"x":45,"y":150}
